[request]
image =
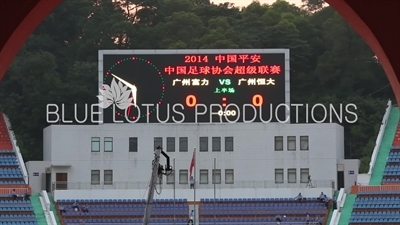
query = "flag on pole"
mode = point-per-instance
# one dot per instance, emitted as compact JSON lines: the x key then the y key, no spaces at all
{"x":191,"y":166}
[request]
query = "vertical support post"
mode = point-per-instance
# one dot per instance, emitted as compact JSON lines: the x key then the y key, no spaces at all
{"x":195,"y":185}
{"x":174,"y":190}
{"x":152,"y":187}
{"x":214,"y":181}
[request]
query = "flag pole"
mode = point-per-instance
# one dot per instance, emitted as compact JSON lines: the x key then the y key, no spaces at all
{"x":174,"y":188}
{"x":214,"y":181}
{"x":195,"y":184}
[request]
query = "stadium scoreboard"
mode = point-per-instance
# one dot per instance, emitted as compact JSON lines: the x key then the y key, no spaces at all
{"x":194,"y":86}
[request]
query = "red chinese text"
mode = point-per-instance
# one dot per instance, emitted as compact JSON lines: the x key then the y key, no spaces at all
{"x":224,"y":70}
{"x":196,"y":59}
{"x":235,"y":58}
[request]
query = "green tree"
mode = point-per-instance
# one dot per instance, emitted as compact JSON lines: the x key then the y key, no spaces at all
{"x":329,"y":62}
{"x":38,"y":83}
{"x":313,"y":5}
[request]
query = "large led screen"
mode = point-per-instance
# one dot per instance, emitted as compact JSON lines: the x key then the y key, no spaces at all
{"x":193,"y":86}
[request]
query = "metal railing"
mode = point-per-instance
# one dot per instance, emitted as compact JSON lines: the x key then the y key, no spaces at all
{"x":8,"y":191}
{"x":220,"y":223}
{"x":118,"y":185}
{"x":8,"y":179}
{"x":378,"y":188}
{"x":380,"y":137}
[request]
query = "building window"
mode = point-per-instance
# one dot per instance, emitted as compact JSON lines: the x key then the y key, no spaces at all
{"x":291,"y":143}
{"x":229,"y":144}
{"x":204,"y":144}
{"x":279,"y":143}
{"x":170,"y":144}
{"x":216,"y":144}
{"x":292,"y":177}
{"x":158,"y":142}
{"x":229,"y":176}
{"x":133,"y":144}
{"x":203,"y":176}
{"x":303,"y":143}
{"x":183,"y":144}
{"x":279,"y":176}
{"x":183,"y":177}
{"x":171,"y":177}
{"x":95,"y":177}
{"x":95,"y":144}
{"x":108,"y":144}
{"x":216,"y":176}
{"x":304,"y":173}
{"x":108,"y":177}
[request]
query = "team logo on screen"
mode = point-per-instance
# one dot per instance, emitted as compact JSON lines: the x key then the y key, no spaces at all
{"x":122,"y":94}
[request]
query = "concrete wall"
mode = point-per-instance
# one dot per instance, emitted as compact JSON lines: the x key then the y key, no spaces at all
{"x":189,"y":194}
{"x":68,"y":148}
{"x":37,"y":176}
{"x":351,"y":167}
{"x":47,"y":142}
{"x":363,"y":179}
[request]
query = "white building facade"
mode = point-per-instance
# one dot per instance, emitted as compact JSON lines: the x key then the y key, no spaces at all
{"x":255,"y":156}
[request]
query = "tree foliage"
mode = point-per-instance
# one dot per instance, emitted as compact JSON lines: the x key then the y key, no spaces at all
{"x":330,"y":63}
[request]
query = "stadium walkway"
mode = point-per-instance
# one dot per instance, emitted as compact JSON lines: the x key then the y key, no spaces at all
{"x":384,"y":150}
{"x":328,"y":220}
{"x":347,"y":209}
{"x":37,"y":209}
{"x":53,"y":208}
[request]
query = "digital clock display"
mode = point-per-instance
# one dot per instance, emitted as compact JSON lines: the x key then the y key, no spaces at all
{"x":194,"y":86}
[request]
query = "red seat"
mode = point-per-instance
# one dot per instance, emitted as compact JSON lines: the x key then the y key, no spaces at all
{"x":5,"y":141}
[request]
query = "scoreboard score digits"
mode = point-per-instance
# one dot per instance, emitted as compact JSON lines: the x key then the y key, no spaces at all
{"x":205,"y":86}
